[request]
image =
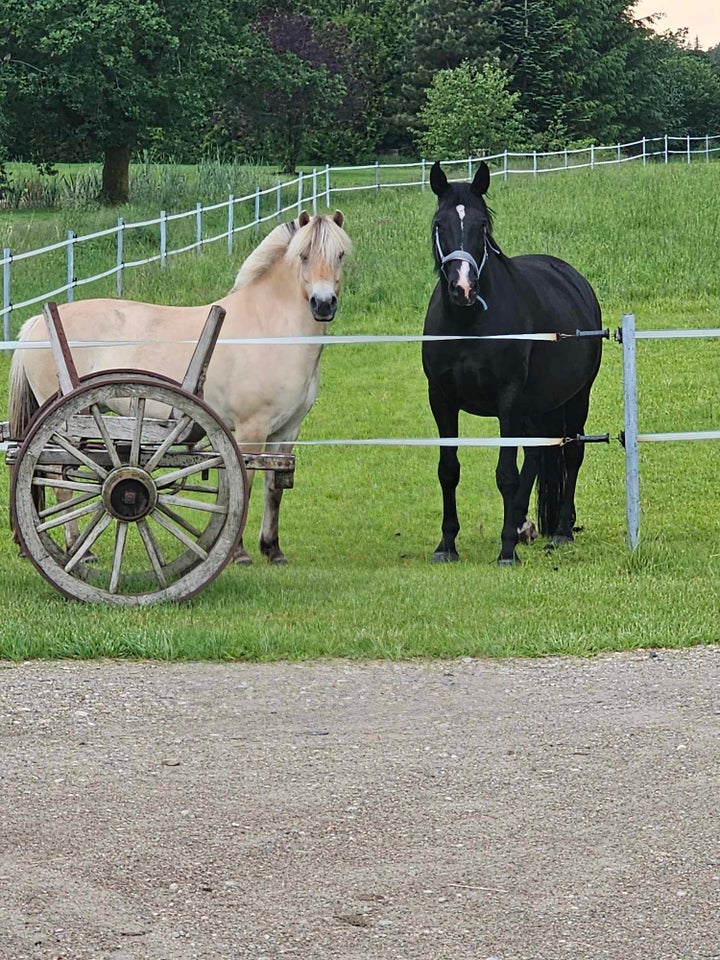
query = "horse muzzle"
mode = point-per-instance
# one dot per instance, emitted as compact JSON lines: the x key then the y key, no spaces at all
{"x":323,"y":308}
{"x":462,"y":296}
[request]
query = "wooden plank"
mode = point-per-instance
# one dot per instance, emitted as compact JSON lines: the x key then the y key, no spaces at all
{"x":67,"y":375}
{"x":194,"y":378}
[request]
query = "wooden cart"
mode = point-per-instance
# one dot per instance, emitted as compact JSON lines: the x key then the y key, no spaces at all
{"x":127,"y":488}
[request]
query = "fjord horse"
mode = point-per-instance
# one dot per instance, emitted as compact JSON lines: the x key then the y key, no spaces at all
{"x":288,"y":286}
{"x":534,"y":388}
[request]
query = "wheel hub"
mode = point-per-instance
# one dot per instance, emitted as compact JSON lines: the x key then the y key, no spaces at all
{"x":129,"y":494}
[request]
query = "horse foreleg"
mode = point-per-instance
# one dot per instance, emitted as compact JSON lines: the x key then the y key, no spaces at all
{"x":269,"y":531}
{"x":507,"y":478}
{"x":447,"y":420}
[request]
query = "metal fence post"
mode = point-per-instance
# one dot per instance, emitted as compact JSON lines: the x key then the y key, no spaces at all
{"x":422,"y":174}
{"x":707,"y":148}
{"x":327,"y":184}
{"x":534,"y":163}
{"x":257,"y":211}
{"x":632,"y":457}
{"x":688,"y":148}
{"x":70,"y":266}
{"x":618,"y":153}
{"x":163,"y":238}
{"x":7,"y":257}
{"x":377,"y":174}
{"x":505,"y":165}
{"x":198,"y":225}
{"x":666,"y":148}
{"x":231,"y":223}
{"x":300,"y":192}
{"x":314,"y":198}
{"x":470,"y":168}
{"x":119,"y":261}
{"x":644,"y":153}
{"x":279,"y":200}
{"x":592,"y":156}
{"x":565,"y":158}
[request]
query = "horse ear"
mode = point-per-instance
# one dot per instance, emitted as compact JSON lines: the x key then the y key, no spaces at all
{"x":438,"y":180}
{"x":338,"y":218}
{"x":304,"y":218}
{"x":481,"y":180}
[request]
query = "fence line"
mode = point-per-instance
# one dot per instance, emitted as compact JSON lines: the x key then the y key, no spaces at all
{"x":317,"y":188}
{"x":631,"y":437}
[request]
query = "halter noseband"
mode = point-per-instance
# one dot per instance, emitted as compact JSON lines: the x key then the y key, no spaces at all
{"x":462,"y":254}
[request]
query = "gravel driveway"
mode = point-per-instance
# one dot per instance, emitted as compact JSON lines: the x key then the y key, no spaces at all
{"x":468,"y":810}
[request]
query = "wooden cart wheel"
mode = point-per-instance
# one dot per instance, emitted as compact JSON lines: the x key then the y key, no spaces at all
{"x":112,"y":506}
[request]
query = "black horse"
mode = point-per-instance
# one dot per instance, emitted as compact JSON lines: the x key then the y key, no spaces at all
{"x":534,"y":388}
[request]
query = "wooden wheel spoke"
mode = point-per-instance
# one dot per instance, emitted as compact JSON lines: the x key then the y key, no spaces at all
{"x":106,"y":438}
{"x":67,"y":517}
{"x":180,"y":521}
{"x":67,"y":484}
{"x":169,"y":478}
{"x":152,"y":548}
{"x":175,"y":501}
{"x":139,"y":414}
{"x":92,"y":532}
{"x":177,"y":431}
{"x":179,"y":534}
{"x":121,"y":532}
{"x":79,"y":455}
{"x":67,"y":504}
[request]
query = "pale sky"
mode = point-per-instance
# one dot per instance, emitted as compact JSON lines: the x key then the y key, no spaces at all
{"x":701,"y":17}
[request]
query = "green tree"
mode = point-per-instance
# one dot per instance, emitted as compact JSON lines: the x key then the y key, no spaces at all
{"x":106,"y":77}
{"x":469,"y":111}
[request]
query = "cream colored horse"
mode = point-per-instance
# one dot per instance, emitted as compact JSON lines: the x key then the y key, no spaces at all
{"x":289,"y":286}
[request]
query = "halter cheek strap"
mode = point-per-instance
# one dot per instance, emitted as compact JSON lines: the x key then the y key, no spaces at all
{"x":462,"y":254}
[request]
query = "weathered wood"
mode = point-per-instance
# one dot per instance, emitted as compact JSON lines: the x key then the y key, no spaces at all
{"x":194,"y":378}
{"x":67,"y":374}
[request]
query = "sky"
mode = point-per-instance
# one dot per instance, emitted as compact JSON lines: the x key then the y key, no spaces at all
{"x":701,"y":17}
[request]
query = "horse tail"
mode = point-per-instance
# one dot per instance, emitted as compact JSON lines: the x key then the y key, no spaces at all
{"x":550,"y":487}
{"x":22,"y":402}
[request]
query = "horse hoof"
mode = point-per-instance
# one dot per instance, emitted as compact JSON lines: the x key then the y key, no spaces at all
{"x":445,"y":556}
{"x":279,"y":560}
{"x":508,"y":561}
{"x":243,"y":559}
{"x":558,"y":541}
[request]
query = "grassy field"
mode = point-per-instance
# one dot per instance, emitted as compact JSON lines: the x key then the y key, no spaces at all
{"x":362,"y":523}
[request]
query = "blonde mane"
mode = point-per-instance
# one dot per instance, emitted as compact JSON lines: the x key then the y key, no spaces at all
{"x":265,"y":255}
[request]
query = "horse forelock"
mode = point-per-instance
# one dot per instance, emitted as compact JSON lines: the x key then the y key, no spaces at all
{"x":321,"y":239}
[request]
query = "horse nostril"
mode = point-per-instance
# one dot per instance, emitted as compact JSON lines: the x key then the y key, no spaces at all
{"x":313,"y":303}
{"x":333,"y":302}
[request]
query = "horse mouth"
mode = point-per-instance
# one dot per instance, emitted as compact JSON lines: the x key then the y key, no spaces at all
{"x":460,"y":298}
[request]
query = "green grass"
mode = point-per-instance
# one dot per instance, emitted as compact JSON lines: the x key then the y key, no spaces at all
{"x":362,"y":523}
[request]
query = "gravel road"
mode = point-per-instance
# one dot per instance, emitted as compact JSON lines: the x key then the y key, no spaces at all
{"x":464,"y":810}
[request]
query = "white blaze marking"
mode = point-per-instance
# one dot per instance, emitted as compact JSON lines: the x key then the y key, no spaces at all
{"x":461,"y":211}
{"x":464,"y":278}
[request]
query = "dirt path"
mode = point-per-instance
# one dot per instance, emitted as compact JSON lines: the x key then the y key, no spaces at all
{"x":468,"y":810}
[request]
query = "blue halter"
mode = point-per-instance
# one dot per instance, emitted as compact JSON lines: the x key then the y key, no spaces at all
{"x":462,"y":254}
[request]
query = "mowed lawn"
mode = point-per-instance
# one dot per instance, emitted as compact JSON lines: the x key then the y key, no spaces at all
{"x":362,"y":523}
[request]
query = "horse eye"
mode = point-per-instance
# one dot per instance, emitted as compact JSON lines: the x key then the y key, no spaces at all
{"x":341,"y":255}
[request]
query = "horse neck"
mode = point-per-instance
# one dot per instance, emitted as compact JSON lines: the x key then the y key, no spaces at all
{"x":272,"y":305}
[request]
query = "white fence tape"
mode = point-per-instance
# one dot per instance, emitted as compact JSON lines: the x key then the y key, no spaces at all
{"x":284,"y":341}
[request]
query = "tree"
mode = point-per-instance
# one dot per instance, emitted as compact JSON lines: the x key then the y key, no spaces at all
{"x":440,"y":36}
{"x":104,"y":76}
{"x":469,"y":111}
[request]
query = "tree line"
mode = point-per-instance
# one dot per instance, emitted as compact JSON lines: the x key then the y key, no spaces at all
{"x":336,"y":80}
